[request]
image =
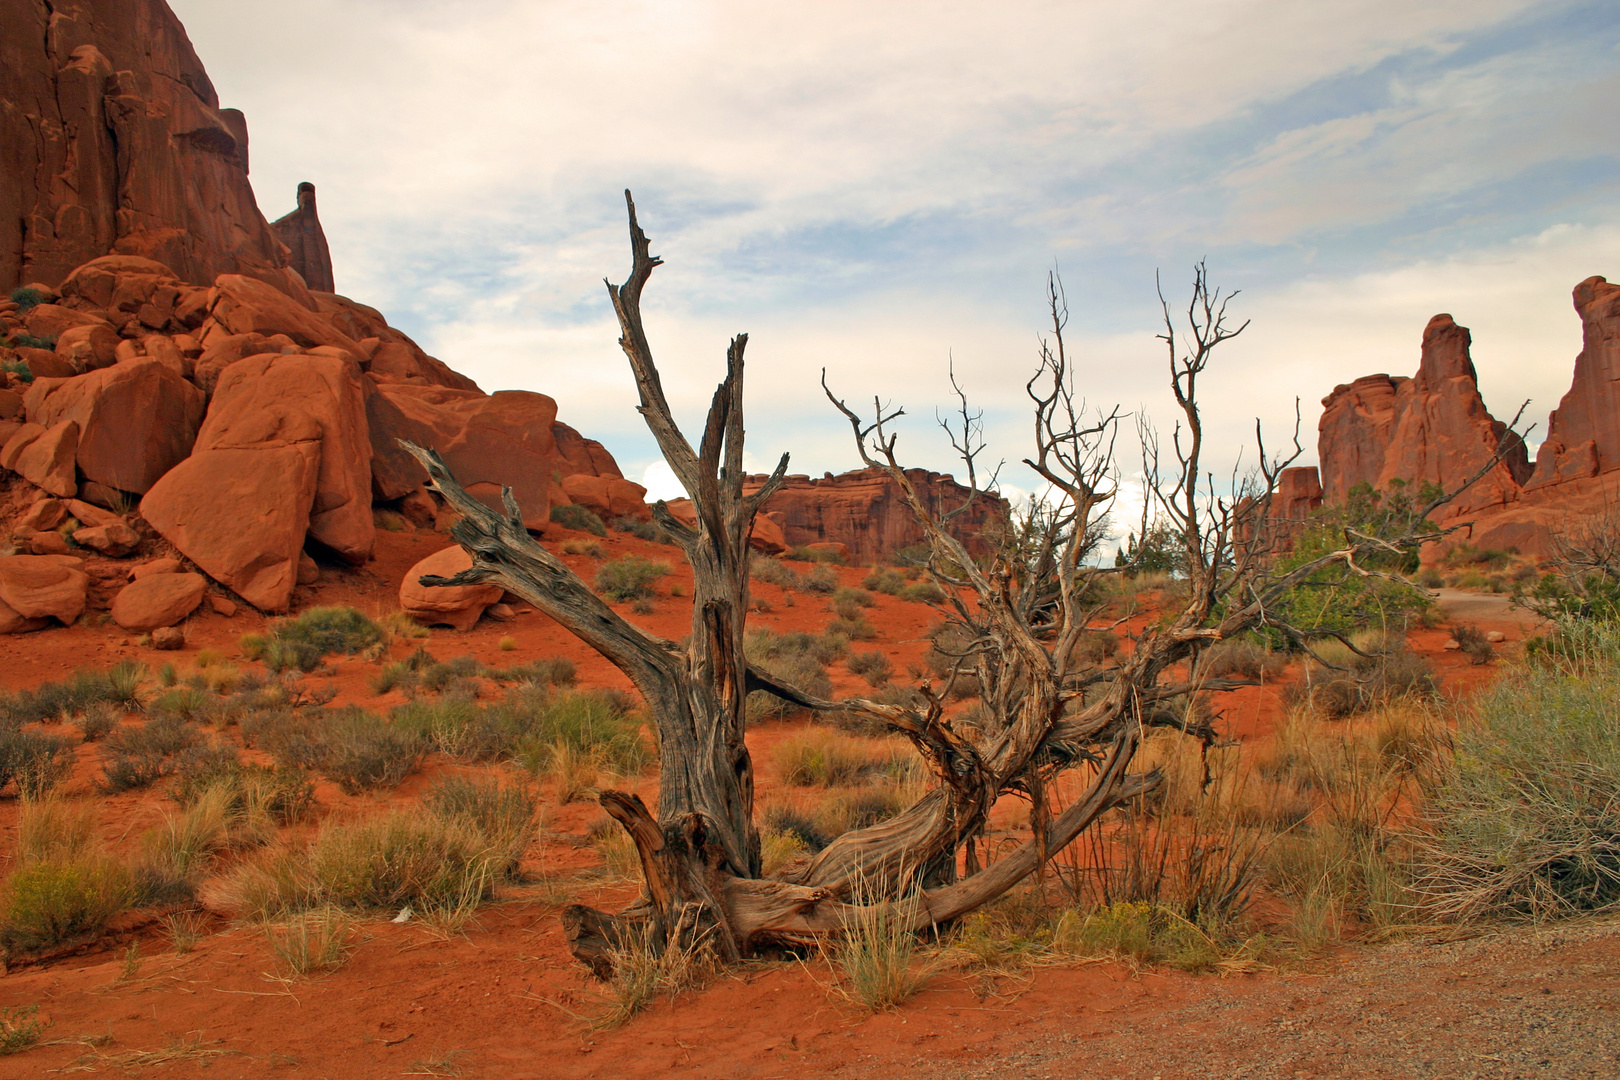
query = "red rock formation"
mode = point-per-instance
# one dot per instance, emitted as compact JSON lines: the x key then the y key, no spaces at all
{"x":864,"y":511}
{"x":1583,"y":433}
{"x":1433,"y":428}
{"x":579,"y":456}
{"x":457,"y":606}
{"x":1299,"y":492}
{"x":115,"y":142}
{"x":307,"y":252}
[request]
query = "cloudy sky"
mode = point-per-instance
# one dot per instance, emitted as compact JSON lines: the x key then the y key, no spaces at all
{"x":881,"y":188}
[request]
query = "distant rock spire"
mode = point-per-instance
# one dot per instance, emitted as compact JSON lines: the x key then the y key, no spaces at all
{"x":301,"y":232}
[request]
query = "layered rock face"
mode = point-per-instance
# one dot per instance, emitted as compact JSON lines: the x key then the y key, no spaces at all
{"x":1435,"y":428}
{"x":864,"y":511}
{"x":115,"y":141}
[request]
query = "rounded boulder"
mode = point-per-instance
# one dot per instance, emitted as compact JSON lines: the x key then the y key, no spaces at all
{"x":457,"y":606}
{"x":158,"y":600}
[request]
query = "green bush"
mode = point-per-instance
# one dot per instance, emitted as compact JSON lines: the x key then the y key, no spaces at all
{"x":1525,"y":821}
{"x":1384,"y":672}
{"x":19,"y":1029}
{"x":29,"y":341}
{"x":774,"y":572}
{"x":629,"y":577}
{"x":25,"y":298}
{"x":54,"y":902}
{"x":283,"y":793}
{"x":134,"y":757}
{"x":301,"y":642}
{"x":852,"y":629}
{"x":821,"y":579}
{"x":18,"y":368}
{"x":884,"y":580}
{"x":641,"y":530}
{"x":799,"y":659}
{"x":404,"y":859}
{"x":872,"y":666}
{"x":573,"y":516}
{"x":923,"y":592}
{"x":805,"y":553}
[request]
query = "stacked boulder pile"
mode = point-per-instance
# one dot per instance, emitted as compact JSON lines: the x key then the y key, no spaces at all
{"x":252,"y":425}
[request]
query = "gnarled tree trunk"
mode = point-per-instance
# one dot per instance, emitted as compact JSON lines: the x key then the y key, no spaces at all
{"x":1049,"y":705}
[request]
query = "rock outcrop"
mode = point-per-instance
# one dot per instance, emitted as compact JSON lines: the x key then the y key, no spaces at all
{"x":156,"y":600}
{"x":1434,"y":428}
{"x":864,"y":511}
{"x":307,"y":252}
{"x":34,"y":588}
{"x":1583,"y":433}
{"x":1430,"y":429}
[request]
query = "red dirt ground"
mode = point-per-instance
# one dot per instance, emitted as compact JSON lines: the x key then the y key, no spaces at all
{"x":500,"y":1001}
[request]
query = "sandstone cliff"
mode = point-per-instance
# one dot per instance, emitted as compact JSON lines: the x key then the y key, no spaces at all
{"x":307,"y":252}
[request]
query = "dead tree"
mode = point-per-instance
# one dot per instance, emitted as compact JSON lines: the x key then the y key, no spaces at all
{"x":1049,"y":706}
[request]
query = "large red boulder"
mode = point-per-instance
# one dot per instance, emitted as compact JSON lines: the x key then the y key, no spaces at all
{"x":487,"y":441}
{"x":158,"y":600}
{"x":245,"y":305}
{"x":608,"y":497}
{"x":241,"y":514}
{"x":136,"y":420}
{"x":288,"y":400}
{"x":457,"y":606}
{"x":578,"y":455}
{"x":46,"y":460}
{"x":43,"y":586}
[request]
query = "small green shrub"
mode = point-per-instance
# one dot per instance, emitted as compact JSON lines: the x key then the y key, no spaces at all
{"x":29,"y":341}
{"x":302,"y":642}
{"x":1475,"y":645}
{"x":629,"y":577}
{"x":872,"y":666}
{"x":1242,"y":658}
{"x":25,"y":298}
{"x":774,"y":572}
{"x":404,"y":859}
{"x":50,"y":903}
{"x":855,"y":629}
{"x":19,"y":1029}
{"x":97,"y":721}
{"x":18,"y":368}
{"x":548,"y":671}
{"x":1385,"y":671}
{"x":884,"y":580}
{"x":641,"y":530}
{"x":573,"y":516}
{"x":311,"y":942}
{"x":923,"y":592}
{"x":35,"y":761}
{"x":360,"y":751}
{"x":877,"y":953}
{"x":821,"y":579}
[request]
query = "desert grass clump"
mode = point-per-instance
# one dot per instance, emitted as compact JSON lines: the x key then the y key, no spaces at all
{"x":53,"y":829}
{"x":503,"y":813}
{"x":404,"y":858}
{"x":821,"y":579}
{"x":630,"y":577}
{"x":643,"y":972}
{"x":138,"y":756}
{"x":588,"y":548}
{"x":176,"y":854}
{"x":361,"y":751}
{"x":312,"y":941}
{"x":1348,"y":681}
{"x":1523,"y":820}
{"x":1473,"y":643}
{"x":546,"y":671}
{"x":578,"y":518}
{"x":1143,"y":933}
{"x":873,"y":666}
{"x":1242,"y":658}
{"x":876,"y":957}
{"x":97,"y":720}
{"x":118,"y":685}
{"x":824,"y":759}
